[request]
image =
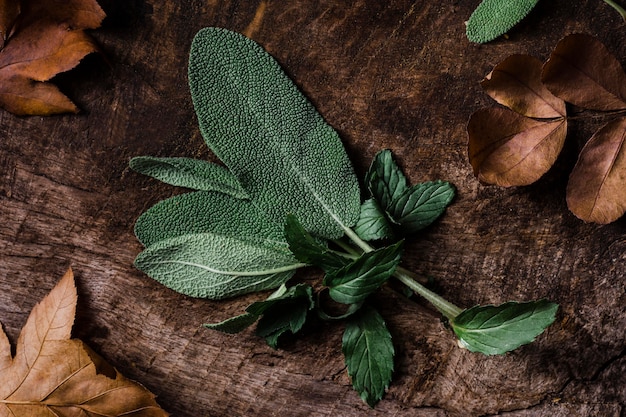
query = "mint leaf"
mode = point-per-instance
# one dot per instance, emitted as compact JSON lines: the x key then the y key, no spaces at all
{"x":368,"y":353}
{"x":189,"y":173}
{"x":308,"y":250}
{"x":214,"y":266}
{"x":206,"y":212}
{"x":234,"y":324}
{"x":493,"y":18}
{"x":373,"y":223}
{"x":385,"y":179}
{"x":494,"y":330}
{"x":354,"y":282}
{"x":269,"y":135}
{"x":420,"y":205}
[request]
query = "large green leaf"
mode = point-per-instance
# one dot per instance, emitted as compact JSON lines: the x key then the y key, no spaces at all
{"x":206,"y":212}
{"x":368,"y":352}
{"x":354,"y":282}
{"x":269,"y":135}
{"x":493,"y":18}
{"x":214,"y":266}
{"x":495,"y":330}
{"x":190,"y":173}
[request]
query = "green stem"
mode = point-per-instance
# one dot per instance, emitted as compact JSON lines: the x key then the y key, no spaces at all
{"x":617,"y":7}
{"x":449,"y":310}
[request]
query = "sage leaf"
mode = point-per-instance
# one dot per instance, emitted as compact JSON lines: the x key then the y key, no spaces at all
{"x":354,"y":282}
{"x":384,"y":179}
{"x":373,"y":223}
{"x":234,"y":324}
{"x":493,"y":18}
{"x":309,"y":250}
{"x":420,"y":205}
{"x":368,"y":353}
{"x":206,"y":212}
{"x":190,"y":173}
{"x":494,"y":330}
{"x":213,"y":266}
{"x":269,"y":135}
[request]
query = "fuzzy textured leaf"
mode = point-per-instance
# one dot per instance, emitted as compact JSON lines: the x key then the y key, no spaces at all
{"x":493,"y":18}
{"x":209,"y":212}
{"x":495,"y":330}
{"x":596,"y":191}
{"x":45,"y":38}
{"x":213,"y":266}
{"x":516,"y":84}
{"x":368,"y":353}
{"x":420,"y":205}
{"x":190,"y":173}
{"x":355,"y":282}
{"x":583,"y":72}
{"x":53,"y":375}
{"x":508,"y":149}
{"x":269,"y":135}
{"x":373,"y":224}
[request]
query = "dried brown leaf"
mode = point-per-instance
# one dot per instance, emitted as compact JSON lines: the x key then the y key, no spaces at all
{"x":583,"y":72}
{"x":9,"y":10}
{"x":508,"y":149}
{"x":516,"y":83}
{"x":53,"y":375}
{"x":47,"y":39}
{"x":596,"y":191}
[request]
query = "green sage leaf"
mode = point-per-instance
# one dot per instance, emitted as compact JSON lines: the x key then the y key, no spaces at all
{"x":495,"y":330}
{"x":373,"y":223}
{"x":269,"y":135}
{"x":385,"y":179}
{"x":190,"y":173}
{"x":493,"y":18}
{"x":420,"y":205}
{"x":214,"y":266}
{"x":309,"y":250}
{"x":206,"y":212}
{"x":354,"y":282}
{"x":368,"y":353}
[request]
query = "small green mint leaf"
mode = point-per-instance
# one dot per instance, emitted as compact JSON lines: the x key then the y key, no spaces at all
{"x":354,"y":282}
{"x":189,"y":173}
{"x":205,"y":212}
{"x":373,"y":223}
{"x":420,"y":205}
{"x":494,"y":330}
{"x":214,"y":266}
{"x":368,"y":353}
{"x":234,"y":324}
{"x":309,"y":250}
{"x":493,"y":18}
{"x":257,"y":122}
{"x":384,"y":179}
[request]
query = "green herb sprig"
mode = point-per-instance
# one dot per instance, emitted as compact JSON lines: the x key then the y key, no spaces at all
{"x":288,"y":198}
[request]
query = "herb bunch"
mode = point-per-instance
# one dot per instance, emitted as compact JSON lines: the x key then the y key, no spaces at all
{"x":288,"y":198}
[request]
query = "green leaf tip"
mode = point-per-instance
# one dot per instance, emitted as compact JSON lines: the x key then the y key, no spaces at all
{"x":494,"y":330}
{"x":493,"y":18}
{"x":269,"y":136}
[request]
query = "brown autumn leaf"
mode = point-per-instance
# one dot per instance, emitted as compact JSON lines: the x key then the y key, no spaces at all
{"x":42,"y":39}
{"x":596,"y":189}
{"x":583,"y":72}
{"x":54,"y":376}
{"x":516,"y":83}
{"x":508,"y":149}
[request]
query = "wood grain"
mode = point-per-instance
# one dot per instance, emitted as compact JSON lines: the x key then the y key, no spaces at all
{"x":395,"y":74}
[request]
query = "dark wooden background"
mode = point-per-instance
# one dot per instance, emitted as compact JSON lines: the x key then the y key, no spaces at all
{"x":395,"y":74}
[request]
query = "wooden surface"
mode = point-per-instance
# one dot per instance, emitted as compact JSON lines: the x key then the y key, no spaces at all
{"x":386,"y":74}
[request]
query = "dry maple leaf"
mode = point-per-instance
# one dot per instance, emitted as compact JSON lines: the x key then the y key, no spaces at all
{"x":53,"y":375}
{"x":40,"y":39}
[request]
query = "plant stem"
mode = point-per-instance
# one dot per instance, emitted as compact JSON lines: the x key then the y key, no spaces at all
{"x":617,"y":7}
{"x":408,"y":278}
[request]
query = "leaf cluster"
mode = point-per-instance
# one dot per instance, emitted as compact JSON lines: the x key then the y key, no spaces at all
{"x":518,"y":144}
{"x":285,"y":198}
{"x":53,"y":375}
{"x":38,"y":40}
